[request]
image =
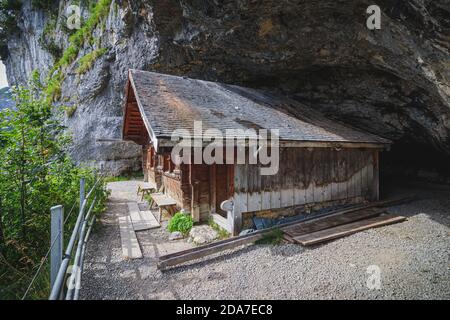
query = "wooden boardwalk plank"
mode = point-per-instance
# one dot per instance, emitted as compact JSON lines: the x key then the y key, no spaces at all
{"x":130,"y":244}
{"x":347,"y":229}
{"x":142,"y":220}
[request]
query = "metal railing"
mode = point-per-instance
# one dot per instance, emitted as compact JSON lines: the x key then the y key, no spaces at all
{"x":59,"y":263}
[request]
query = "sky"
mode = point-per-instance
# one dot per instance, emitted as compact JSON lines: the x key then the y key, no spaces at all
{"x":3,"y":81}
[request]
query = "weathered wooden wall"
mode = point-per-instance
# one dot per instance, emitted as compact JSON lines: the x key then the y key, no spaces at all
{"x":172,"y":186}
{"x":305,"y":176}
{"x":308,"y":175}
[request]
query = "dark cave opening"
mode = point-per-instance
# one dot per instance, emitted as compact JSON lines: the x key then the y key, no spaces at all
{"x":409,"y":163}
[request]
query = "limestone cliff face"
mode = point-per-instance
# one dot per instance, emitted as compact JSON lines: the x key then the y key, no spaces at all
{"x":393,"y":82}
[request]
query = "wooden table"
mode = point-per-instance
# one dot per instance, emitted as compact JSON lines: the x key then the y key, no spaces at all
{"x":146,"y":188}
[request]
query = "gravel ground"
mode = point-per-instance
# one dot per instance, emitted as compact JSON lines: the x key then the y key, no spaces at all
{"x":412,"y":257}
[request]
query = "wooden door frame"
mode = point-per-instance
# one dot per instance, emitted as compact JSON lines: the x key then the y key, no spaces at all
{"x":213,"y":188}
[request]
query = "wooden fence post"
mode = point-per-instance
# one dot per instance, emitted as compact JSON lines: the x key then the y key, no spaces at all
{"x":57,"y":232}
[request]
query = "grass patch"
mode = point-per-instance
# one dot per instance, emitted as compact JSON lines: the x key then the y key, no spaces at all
{"x":223,"y":234}
{"x":125,"y":177}
{"x":85,"y":63}
{"x":76,"y":42}
{"x":274,"y":237}
{"x":70,"y":110}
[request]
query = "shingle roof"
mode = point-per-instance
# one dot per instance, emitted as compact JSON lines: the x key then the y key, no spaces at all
{"x":171,"y":102}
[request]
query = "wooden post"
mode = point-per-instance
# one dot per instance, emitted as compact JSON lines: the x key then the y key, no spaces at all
{"x":195,"y":209}
{"x":236,"y":218}
{"x":56,"y":239}
{"x":145,"y":161}
{"x":376,"y":177}
{"x":212,"y":186}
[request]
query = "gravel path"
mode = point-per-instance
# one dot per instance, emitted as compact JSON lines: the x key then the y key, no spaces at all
{"x":412,"y":257}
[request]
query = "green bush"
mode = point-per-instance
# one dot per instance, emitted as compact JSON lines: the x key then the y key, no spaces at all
{"x":180,"y":222}
{"x":36,"y":173}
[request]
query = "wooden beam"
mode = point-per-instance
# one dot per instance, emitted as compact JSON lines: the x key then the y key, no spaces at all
{"x":207,"y":250}
{"x":167,"y":142}
{"x":376,"y":176}
{"x":331,"y":221}
{"x":347,"y":229}
{"x":212,"y":189}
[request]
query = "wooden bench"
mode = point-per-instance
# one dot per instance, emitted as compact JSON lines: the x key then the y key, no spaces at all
{"x":146,"y":188}
{"x":164,"y":202}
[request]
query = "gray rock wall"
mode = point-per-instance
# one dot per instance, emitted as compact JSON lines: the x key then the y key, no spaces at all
{"x":393,"y":82}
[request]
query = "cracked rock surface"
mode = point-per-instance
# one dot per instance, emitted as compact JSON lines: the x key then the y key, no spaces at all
{"x":393,"y":82}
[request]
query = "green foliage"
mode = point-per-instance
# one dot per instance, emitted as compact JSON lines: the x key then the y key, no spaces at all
{"x":53,"y":90}
{"x":70,"y":110}
{"x":125,"y":177}
{"x":76,"y":41}
{"x":273,"y":237}
{"x":35,"y":174}
{"x":85,"y":63}
{"x":223,"y":234}
{"x":180,"y":222}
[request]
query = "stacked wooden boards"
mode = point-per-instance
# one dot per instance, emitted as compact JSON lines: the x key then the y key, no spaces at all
{"x":135,"y":220}
{"x":332,"y":227}
{"x":346,"y":229}
{"x":340,"y":222}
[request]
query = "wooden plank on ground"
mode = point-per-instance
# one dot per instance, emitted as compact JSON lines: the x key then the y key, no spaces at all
{"x":331,"y":221}
{"x":130,"y":244}
{"x":201,"y":251}
{"x":347,"y":229}
{"x":141,"y":220}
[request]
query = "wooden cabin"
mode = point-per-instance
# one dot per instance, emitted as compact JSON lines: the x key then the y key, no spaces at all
{"x":321,"y":162}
